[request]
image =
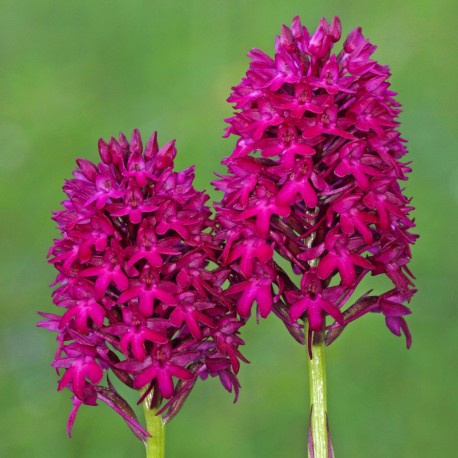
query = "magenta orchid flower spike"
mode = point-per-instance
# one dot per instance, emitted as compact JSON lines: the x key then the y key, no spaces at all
{"x":314,"y":179}
{"x":153,"y":290}
{"x":139,"y":299}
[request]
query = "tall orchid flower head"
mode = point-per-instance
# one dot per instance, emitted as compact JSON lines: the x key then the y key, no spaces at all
{"x":315,"y":179}
{"x":138,"y":297}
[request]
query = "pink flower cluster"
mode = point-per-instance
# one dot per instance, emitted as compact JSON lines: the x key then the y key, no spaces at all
{"x":138,"y":295}
{"x":314,"y":179}
{"x":154,"y":290}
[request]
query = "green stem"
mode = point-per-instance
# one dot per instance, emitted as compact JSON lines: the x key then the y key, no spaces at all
{"x":155,"y":445}
{"x":317,"y":376}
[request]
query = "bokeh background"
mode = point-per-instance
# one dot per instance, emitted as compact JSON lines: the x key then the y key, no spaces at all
{"x":71,"y":72}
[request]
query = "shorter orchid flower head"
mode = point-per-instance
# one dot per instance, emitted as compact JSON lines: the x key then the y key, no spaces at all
{"x":314,"y":178}
{"x":138,"y":297}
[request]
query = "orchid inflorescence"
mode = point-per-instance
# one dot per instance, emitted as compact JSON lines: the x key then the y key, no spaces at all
{"x":136,"y":281}
{"x":314,"y":178}
{"x":154,"y":289}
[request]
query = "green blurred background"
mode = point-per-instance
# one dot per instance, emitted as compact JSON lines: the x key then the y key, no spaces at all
{"x":71,"y":72}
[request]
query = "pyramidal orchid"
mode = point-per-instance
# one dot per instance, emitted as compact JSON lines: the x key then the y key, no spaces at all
{"x":314,"y":180}
{"x":152,"y":290}
{"x":137,"y":293}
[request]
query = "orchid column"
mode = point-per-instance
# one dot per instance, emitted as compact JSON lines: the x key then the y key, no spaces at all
{"x":314,"y":179}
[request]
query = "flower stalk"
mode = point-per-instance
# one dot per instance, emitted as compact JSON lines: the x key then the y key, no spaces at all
{"x":155,"y":425}
{"x":318,"y":435}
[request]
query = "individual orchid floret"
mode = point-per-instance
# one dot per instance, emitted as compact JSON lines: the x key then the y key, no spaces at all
{"x":138,"y":297}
